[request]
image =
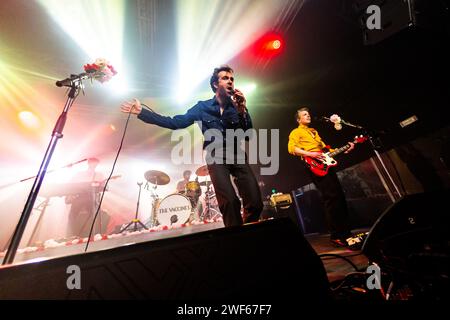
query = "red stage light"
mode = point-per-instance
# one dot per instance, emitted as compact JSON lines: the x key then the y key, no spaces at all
{"x":276,"y":44}
{"x":270,"y":45}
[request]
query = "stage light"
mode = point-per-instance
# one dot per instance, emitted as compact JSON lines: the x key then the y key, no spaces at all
{"x":276,"y":44}
{"x":95,"y":25}
{"x":29,"y":119}
{"x":270,"y":44}
{"x":211,"y":33}
{"x":247,"y":88}
{"x":118,"y":85}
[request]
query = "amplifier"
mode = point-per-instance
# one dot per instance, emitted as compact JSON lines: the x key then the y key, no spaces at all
{"x":282,"y":200}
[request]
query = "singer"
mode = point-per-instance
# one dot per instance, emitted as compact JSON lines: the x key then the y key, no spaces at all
{"x":305,"y":141}
{"x":226,"y":110}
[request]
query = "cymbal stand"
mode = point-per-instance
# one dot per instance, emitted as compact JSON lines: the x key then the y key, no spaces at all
{"x":155,"y":198}
{"x":136,"y":221}
{"x":208,"y":209}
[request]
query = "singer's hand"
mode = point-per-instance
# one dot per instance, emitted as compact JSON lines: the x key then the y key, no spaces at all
{"x":352,"y":146}
{"x":239,"y":101}
{"x":134,"y":106}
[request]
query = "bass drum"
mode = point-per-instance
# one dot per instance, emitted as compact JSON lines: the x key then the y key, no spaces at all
{"x":175,"y":209}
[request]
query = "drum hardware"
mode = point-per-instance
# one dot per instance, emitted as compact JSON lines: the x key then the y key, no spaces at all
{"x":136,"y":220}
{"x":209,"y":211}
{"x":154,"y":179}
{"x":205,"y":183}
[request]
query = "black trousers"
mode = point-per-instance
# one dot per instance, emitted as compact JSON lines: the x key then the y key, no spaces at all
{"x":229,"y":203}
{"x":336,"y":210}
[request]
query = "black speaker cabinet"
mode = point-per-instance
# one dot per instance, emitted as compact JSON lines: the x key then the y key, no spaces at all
{"x":415,"y":228}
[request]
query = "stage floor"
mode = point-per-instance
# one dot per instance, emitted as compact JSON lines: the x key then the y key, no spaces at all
{"x":60,"y":248}
{"x":335,"y":267}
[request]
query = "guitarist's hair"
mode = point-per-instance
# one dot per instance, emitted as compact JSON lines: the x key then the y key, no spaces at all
{"x":300,"y":110}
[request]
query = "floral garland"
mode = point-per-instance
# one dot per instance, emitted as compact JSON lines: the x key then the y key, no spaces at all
{"x":103,"y":71}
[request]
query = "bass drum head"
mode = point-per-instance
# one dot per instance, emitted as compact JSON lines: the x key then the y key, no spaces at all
{"x":175,"y":209}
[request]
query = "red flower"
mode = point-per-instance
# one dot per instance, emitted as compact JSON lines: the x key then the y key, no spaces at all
{"x":102,"y":71}
{"x":91,"y":67}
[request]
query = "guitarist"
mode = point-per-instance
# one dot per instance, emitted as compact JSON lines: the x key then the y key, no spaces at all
{"x":305,"y":141}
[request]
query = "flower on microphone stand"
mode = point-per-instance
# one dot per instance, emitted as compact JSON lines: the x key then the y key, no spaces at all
{"x":337,"y":121}
{"x":101,"y":69}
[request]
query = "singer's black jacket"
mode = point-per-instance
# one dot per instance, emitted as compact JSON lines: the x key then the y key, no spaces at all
{"x":206,"y":114}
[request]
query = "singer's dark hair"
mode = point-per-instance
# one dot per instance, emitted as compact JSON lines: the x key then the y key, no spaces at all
{"x":300,"y":110}
{"x":215,"y":76}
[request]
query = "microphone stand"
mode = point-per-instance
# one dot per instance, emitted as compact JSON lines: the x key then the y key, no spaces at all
{"x":136,"y":221}
{"x":49,"y":171}
{"x":376,"y":145}
{"x":351,"y":125}
{"x":74,"y":82}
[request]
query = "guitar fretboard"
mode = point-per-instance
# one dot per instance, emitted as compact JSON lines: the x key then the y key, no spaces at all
{"x":339,"y":150}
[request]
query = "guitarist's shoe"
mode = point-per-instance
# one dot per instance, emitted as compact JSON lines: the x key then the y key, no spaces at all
{"x":354,"y":242}
{"x":339,"y":242}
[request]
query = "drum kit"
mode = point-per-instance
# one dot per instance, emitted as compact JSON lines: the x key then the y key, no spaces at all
{"x":185,"y":206}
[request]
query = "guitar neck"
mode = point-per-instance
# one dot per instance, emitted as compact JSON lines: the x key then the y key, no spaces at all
{"x":339,"y":150}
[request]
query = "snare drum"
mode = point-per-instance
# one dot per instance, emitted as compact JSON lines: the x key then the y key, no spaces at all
{"x":193,"y":189}
{"x":175,"y":209}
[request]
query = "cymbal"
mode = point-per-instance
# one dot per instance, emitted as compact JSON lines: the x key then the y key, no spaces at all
{"x":202,"y":171}
{"x":157,"y":177}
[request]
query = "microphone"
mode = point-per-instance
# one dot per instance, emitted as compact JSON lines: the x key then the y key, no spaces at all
{"x":338,"y":122}
{"x":334,"y":119}
{"x":68,"y":82}
{"x":74,"y":79}
{"x":324,"y":119}
{"x":236,"y":97}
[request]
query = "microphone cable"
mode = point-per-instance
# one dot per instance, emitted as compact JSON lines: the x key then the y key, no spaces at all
{"x":107,"y":181}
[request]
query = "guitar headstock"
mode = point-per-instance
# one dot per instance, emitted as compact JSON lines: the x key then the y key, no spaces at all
{"x":360,"y":139}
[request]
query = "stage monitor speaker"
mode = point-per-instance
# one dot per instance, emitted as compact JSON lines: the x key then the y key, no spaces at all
{"x":416,"y":226}
{"x":310,"y":211}
{"x":265,"y":260}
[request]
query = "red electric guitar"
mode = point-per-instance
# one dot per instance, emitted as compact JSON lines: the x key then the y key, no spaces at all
{"x":320,"y":166}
